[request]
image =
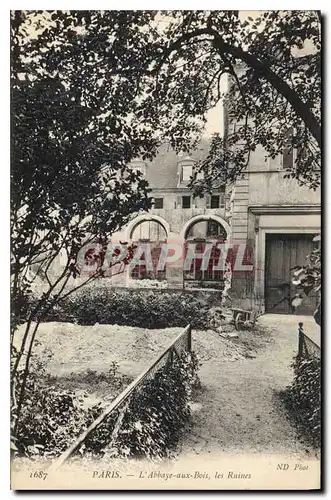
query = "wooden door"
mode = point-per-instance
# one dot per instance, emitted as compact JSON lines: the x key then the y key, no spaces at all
{"x":283,"y":252}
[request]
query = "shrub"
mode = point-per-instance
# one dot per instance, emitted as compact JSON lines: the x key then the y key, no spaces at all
{"x":51,"y":418}
{"x":145,"y":309}
{"x":150,"y":426}
{"x":303,"y":398}
{"x":155,"y":416}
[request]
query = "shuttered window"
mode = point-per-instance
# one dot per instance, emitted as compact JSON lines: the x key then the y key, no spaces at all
{"x":288,"y":150}
{"x":215,"y":201}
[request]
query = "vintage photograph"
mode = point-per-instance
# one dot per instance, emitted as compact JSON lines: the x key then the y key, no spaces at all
{"x":165,"y":250}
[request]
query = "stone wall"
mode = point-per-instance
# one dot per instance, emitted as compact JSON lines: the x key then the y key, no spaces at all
{"x":263,"y":201}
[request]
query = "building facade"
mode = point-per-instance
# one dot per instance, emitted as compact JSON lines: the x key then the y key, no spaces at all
{"x":177,"y":217}
{"x":279,"y":219}
{"x":273,"y":218}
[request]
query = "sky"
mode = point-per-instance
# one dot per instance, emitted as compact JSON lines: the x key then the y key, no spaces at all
{"x":215,"y":121}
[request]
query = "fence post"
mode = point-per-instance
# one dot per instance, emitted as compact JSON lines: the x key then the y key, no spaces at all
{"x":300,"y":346}
{"x":171,"y":355}
{"x":189,"y":338}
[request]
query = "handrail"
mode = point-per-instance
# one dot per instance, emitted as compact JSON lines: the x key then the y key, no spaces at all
{"x":312,"y":341}
{"x":113,"y":405}
{"x":303,"y":343}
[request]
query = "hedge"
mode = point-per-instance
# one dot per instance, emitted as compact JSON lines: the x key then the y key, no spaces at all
{"x":150,"y":426}
{"x":51,"y":417}
{"x":145,"y":309}
{"x":303,"y":398}
{"x":155,"y":417}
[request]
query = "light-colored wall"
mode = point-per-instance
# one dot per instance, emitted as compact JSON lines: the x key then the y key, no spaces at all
{"x":270,"y":188}
{"x":263,"y":201}
{"x":177,"y":217}
{"x":173,"y":199}
{"x":267,"y":185}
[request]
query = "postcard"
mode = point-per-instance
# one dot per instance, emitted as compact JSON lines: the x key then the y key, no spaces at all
{"x":165,"y":250}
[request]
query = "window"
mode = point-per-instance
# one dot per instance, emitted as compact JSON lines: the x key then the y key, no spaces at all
{"x":158,"y":202}
{"x":186,"y":172}
{"x":288,"y":152}
{"x":236,"y":128}
{"x":186,"y":201}
{"x":142,"y":271}
{"x":197,"y":271}
{"x":215,"y":201}
{"x":149,"y":230}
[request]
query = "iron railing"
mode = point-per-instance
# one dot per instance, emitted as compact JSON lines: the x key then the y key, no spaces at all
{"x":307,"y":348}
{"x":183,"y":342}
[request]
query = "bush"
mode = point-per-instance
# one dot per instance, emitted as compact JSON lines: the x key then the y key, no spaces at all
{"x":155,"y":416}
{"x":145,"y":309}
{"x":50,"y":418}
{"x":303,"y":398}
{"x":150,"y":426}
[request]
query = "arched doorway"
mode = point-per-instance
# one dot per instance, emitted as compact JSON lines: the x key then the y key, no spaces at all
{"x":204,"y":235}
{"x":186,"y":230}
{"x":148,"y":230}
{"x":148,"y":233}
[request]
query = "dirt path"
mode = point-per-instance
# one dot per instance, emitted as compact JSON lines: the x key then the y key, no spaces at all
{"x":238,"y":409}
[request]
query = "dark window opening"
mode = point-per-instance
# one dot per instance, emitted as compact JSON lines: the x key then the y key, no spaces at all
{"x":215,"y":201}
{"x":215,"y":229}
{"x":144,"y":271}
{"x":197,"y":271}
{"x":186,"y":201}
{"x":158,"y":202}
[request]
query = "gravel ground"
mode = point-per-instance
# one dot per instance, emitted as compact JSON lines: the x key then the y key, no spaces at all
{"x":68,"y":348}
{"x":70,"y":352}
{"x":238,"y":409}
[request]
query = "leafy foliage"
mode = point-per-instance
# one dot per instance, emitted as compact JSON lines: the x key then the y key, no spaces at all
{"x":51,"y":417}
{"x":72,"y":141}
{"x":94,"y":89}
{"x":307,"y":279}
{"x":303,"y":398}
{"x":153,"y":420}
{"x":273,"y":66}
{"x":145,"y":309}
{"x":59,"y":200}
{"x":155,"y":416}
{"x":272,"y":60}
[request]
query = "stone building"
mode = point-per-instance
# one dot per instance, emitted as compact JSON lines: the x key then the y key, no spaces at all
{"x":274,"y":218}
{"x":279,"y":220}
{"x":267,"y":222}
{"x":177,"y":217}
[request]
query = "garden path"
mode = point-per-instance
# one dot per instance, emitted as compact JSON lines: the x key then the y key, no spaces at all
{"x":238,"y":409}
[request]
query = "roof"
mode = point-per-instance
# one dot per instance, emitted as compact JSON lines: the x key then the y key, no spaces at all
{"x":161,"y":172}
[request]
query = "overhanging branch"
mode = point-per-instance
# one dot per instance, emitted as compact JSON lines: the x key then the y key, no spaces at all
{"x":262,"y":70}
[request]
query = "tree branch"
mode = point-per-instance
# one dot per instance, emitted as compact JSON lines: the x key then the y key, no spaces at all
{"x":262,"y":70}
